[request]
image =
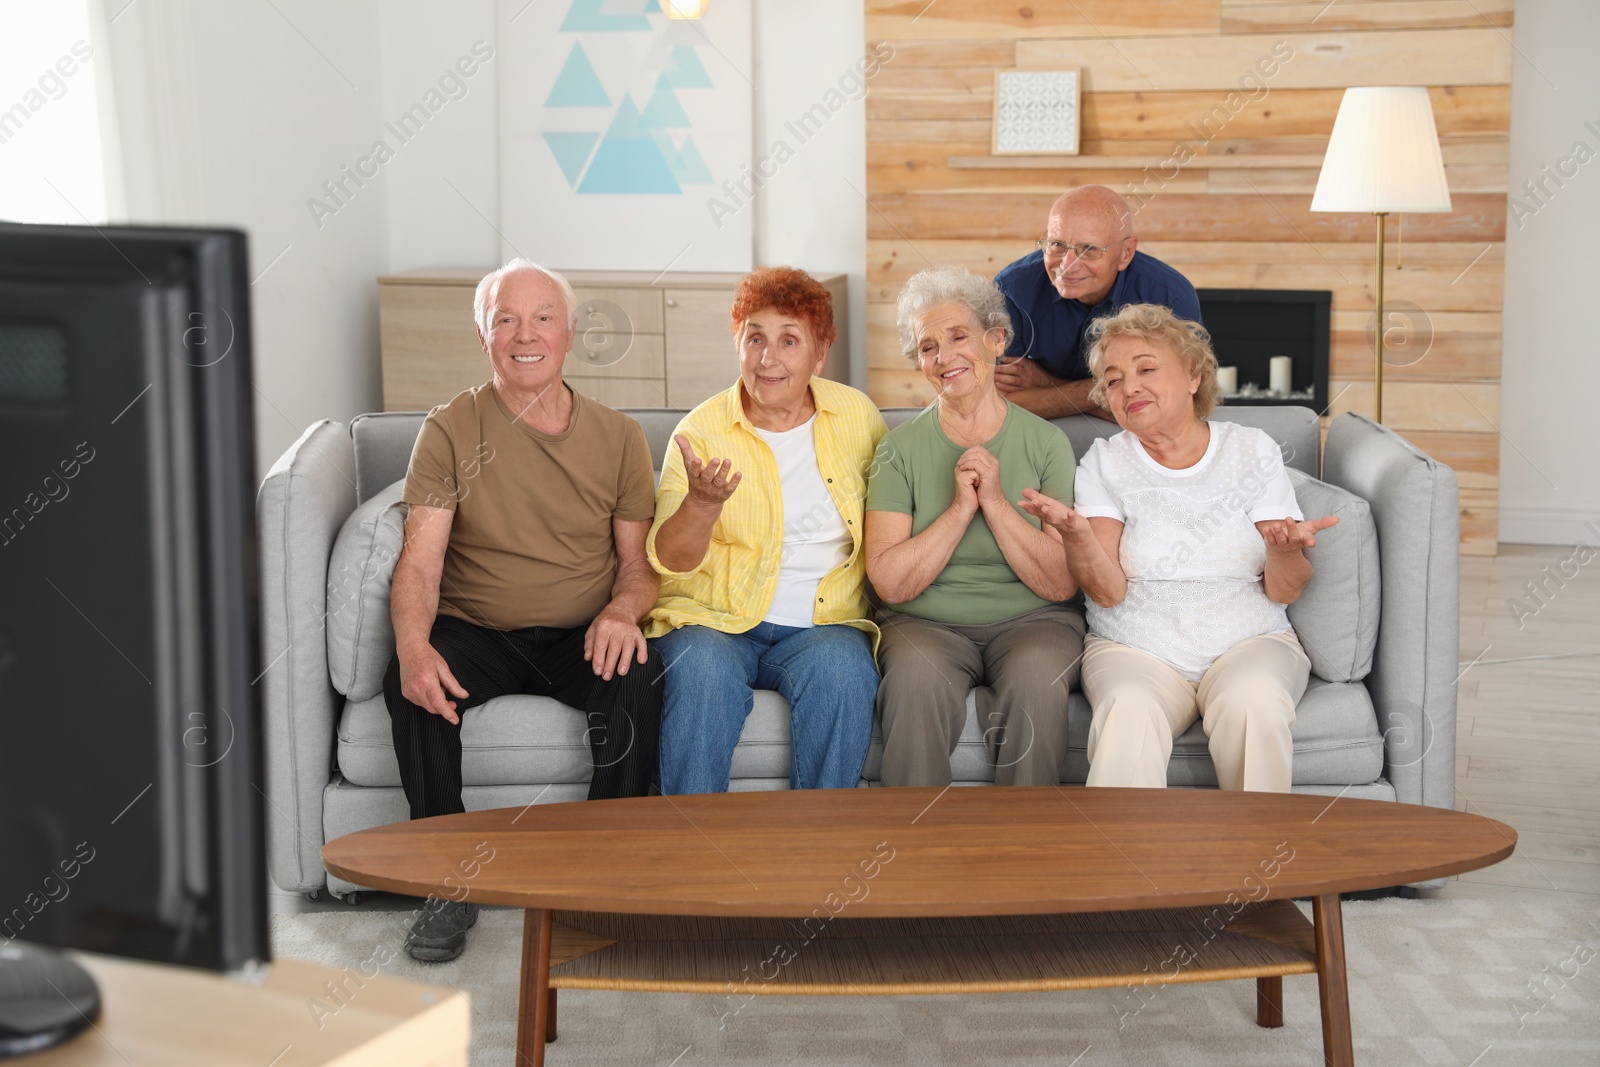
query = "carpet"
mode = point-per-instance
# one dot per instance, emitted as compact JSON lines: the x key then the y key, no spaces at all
{"x":1460,"y":982}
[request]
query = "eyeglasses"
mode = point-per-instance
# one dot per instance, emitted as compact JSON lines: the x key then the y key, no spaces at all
{"x":1054,"y":249}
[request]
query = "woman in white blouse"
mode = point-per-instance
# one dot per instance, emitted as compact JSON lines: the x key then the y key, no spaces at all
{"x":1188,"y":542}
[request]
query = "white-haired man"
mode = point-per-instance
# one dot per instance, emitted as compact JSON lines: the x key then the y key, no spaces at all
{"x":523,"y":568}
{"x":1088,"y":265}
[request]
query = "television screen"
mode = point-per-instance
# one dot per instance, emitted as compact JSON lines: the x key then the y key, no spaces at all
{"x":130,"y":818}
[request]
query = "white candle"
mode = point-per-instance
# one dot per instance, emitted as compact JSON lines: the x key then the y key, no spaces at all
{"x":1228,"y":380}
{"x":1280,"y":378}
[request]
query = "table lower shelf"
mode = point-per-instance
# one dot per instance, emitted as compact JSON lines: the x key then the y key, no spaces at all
{"x":828,"y":956}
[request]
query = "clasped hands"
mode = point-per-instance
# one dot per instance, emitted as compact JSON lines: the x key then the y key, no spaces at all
{"x":978,"y":480}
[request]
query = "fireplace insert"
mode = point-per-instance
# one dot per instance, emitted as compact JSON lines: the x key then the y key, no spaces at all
{"x":1251,"y":327}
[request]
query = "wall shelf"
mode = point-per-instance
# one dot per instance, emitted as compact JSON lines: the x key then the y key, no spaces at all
{"x":1199,"y":161}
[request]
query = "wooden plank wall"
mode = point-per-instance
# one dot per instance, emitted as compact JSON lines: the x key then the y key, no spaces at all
{"x":1159,"y":74}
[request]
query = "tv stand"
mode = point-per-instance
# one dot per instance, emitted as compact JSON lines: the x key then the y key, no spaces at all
{"x":154,"y":1013}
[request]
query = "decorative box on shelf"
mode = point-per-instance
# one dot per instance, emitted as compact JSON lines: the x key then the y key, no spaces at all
{"x":643,"y":340}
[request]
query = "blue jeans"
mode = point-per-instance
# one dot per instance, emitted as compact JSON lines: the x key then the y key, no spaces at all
{"x":826,"y":674}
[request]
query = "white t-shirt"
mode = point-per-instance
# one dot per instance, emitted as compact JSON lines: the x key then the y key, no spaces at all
{"x":1190,"y":549}
{"x":816,"y":540}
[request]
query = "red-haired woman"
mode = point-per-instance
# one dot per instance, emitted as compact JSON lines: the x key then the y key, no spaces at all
{"x":757,"y":537}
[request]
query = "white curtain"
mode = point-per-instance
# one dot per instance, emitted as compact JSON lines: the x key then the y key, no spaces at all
{"x":150,"y":118}
{"x":52,"y":163}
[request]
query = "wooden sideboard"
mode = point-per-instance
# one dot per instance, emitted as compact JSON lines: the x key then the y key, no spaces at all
{"x":644,"y":340}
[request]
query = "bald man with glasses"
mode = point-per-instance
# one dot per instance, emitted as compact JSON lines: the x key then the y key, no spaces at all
{"x":1087,"y":266}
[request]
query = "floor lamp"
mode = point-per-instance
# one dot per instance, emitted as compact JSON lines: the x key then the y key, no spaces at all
{"x":1383,"y":157}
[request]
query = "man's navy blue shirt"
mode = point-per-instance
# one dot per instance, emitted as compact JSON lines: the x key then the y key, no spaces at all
{"x":1050,"y":328}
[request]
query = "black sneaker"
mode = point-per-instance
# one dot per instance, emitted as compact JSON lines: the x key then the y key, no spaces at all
{"x":440,"y":932}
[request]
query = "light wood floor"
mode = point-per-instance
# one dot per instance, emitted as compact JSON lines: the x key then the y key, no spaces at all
{"x":1528,"y":736}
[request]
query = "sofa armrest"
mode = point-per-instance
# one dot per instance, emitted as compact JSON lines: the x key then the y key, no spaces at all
{"x":300,"y":508}
{"x":1415,"y":504}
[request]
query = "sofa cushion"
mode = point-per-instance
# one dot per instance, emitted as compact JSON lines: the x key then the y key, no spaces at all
{"x":517,"y":739}
{"x":1337,"y":615}
{"x":763,"y":749}
{"x":360,"y":635}
{"x":658,"y":424}
{"x":1336,"y":741}
{"x":1297,"y":430}
{"x":514,"y":740}
{"x":383,"y":441}
{"x":511,"y":740}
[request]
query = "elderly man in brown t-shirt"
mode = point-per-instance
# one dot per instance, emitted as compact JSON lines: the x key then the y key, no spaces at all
{"x":524,"y":568}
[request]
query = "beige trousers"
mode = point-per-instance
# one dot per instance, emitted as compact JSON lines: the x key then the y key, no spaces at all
{"x":1245,"y":701}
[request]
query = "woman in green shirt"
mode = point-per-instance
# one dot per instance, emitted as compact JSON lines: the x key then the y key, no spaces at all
{"x":974,"y":584}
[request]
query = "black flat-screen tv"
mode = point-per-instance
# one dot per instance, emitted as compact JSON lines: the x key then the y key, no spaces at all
{"x":130,"y":734}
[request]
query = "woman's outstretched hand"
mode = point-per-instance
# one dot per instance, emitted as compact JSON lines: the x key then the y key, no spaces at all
{"x":1053,"y":513}
{"x":710,"y":481}
{"x":1286,"y":535}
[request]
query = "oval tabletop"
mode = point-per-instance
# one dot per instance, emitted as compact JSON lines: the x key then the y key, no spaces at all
{"x":919,"y":852}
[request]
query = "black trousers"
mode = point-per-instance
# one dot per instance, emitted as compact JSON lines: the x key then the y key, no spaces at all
{"x":624,"y":714}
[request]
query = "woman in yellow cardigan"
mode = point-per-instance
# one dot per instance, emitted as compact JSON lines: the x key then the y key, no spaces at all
{"x":757,"y":537}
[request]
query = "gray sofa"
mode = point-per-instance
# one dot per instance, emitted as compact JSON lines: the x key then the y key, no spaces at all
{"x":1380,"y":621}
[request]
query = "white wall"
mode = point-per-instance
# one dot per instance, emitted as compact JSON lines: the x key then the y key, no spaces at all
{"x":444,"y":185}
{"x":810,"y":215}
{"x":51,"y":167}
{"x":236,"y":114}
{"x":813,"y":213}
{"x":1550,"y":374}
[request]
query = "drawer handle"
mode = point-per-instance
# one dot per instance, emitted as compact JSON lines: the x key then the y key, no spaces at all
{"x":672,"y":303}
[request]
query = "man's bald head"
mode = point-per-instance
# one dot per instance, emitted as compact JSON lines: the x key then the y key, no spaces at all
{"x":1091,"y":203}
{"x":1097,"y":226}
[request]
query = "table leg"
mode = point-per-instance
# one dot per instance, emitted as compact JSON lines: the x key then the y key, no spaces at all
{"x":550,"y":1018}
{"x":1333,"y":990}
{"x":1269,"y":1001}
{"x":533,"y":1013}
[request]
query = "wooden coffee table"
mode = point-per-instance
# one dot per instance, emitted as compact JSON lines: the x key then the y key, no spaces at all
{"x":925,"y":891}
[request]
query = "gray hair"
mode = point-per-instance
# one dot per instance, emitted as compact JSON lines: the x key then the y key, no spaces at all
{"x":950,"y":285}
{"x":480,"y":298}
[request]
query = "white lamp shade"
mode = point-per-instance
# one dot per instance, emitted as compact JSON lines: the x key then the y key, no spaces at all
{"x":1383,"y":155}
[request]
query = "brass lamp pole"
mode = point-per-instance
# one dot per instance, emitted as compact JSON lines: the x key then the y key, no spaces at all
{"x":1377,"y":334}
{"x":1383,"y":157}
